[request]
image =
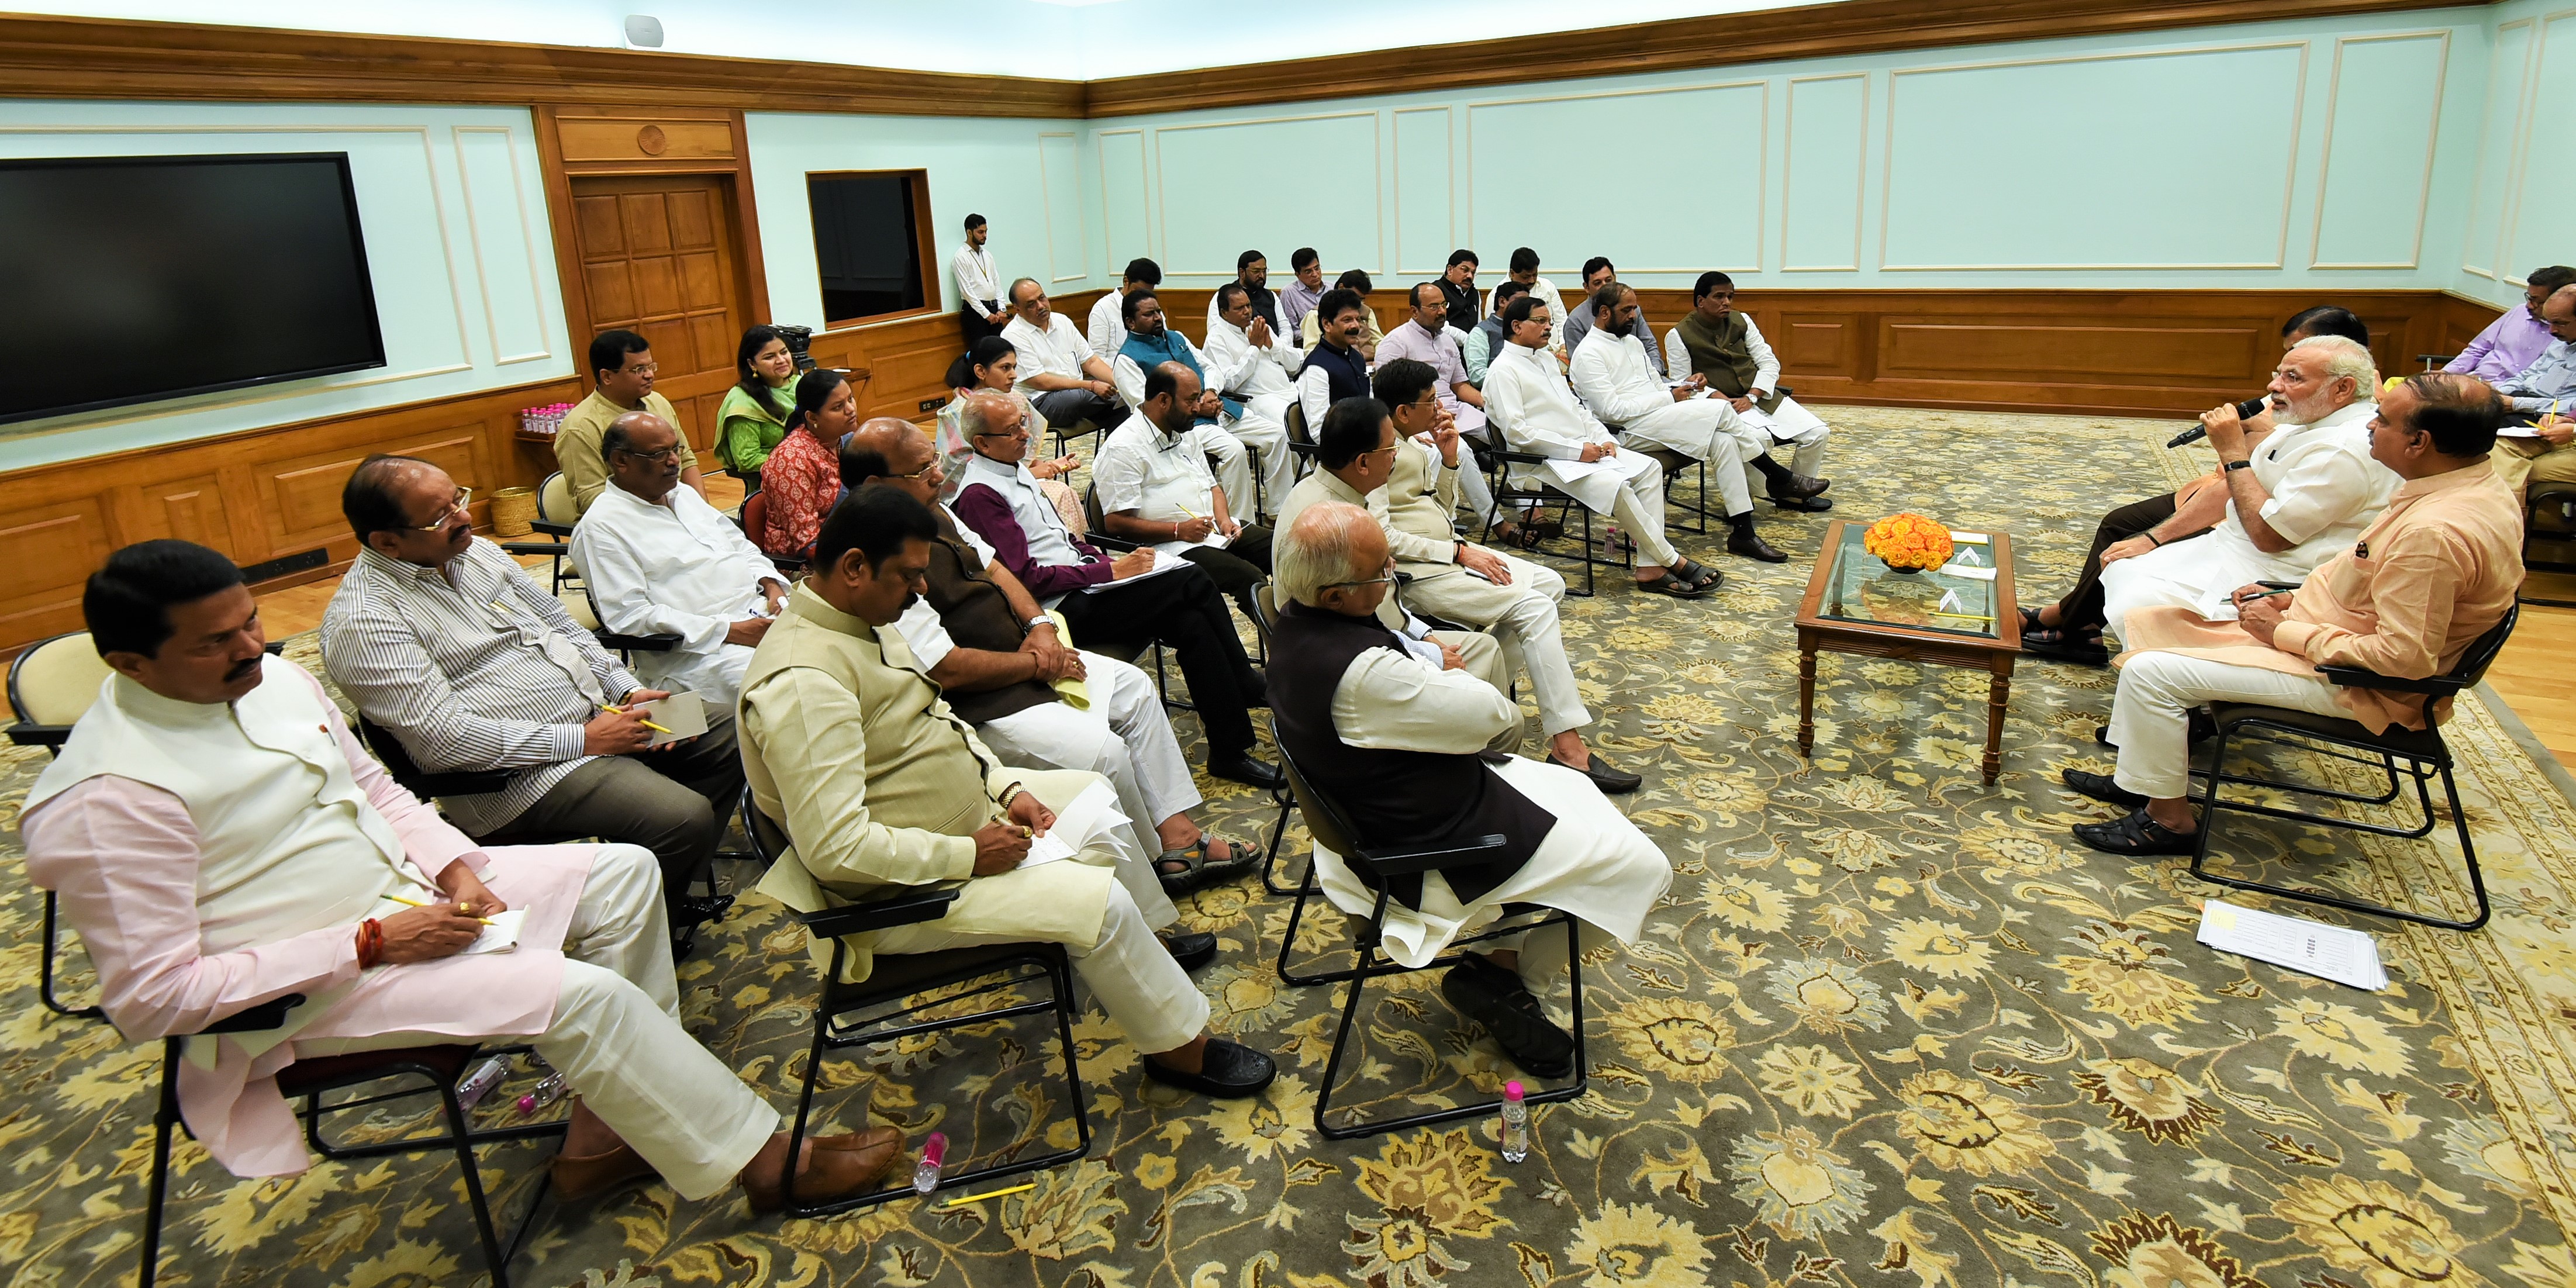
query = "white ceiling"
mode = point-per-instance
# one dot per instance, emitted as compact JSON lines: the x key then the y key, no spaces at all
{"x":1060,"y":39}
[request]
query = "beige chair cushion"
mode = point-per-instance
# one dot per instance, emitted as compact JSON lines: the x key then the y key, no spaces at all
{"x":58,"y":679}
{"x":554,"y":500}
{"x":577,"y":603}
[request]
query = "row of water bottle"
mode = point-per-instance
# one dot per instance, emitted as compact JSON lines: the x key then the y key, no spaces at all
{"x":544,"y":420}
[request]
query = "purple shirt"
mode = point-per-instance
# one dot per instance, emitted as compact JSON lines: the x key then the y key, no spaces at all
{"x":1440,"y":351}
{"x":2504,"y":349}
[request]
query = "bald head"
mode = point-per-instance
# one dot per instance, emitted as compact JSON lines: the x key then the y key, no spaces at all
{"x":990,"y":420}
{"x":2559,"y":312}
{"x":890,"y":452}
{"x":1331,"y":545}
{"x":643,"y":455}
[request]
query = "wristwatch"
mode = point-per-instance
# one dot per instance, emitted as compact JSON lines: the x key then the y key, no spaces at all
{"x":2240,"y":465}
{"x":1038,"y":621}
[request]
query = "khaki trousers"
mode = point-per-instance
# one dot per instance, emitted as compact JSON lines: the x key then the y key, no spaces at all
{"x":2521,"y":462}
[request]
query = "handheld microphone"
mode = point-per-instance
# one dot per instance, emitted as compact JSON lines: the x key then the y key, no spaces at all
{"x":2246,"y":410}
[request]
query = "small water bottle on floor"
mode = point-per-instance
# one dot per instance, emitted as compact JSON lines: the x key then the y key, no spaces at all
{"x":925,"y":1174}
{"x":479,"y":1083}
{"x":1516,"y":1131}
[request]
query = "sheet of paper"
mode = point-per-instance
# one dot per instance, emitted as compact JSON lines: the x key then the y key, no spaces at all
{"x":1970,"y":538}
{"x":1164,"y":561}
{"x":684,"y":714}
{"x":502,"y":935}
{"x":1046,"y":849}
{"x":2339,"y":953}
{"x":1970,"y":573}
{"x":2518,"y":431}
{"x":1088,"y":814}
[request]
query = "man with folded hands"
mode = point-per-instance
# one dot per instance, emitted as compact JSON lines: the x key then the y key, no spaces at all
{"x":882,"y":787}
{"x":220,"y":840}
{"x":2437,"y":570}
{"x":1395,"y":740}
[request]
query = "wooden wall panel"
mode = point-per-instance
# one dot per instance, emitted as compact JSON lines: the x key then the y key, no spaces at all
{"x":257,"y":496}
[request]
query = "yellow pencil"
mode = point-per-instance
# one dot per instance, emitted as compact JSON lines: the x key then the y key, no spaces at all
{"x":415,"y":903}
{"x":646,"y":723}
{"x":978,"y":1198}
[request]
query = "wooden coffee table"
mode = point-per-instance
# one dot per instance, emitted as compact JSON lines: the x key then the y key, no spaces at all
{"x":1856,"y":604}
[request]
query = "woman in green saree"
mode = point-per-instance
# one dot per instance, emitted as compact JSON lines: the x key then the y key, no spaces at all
{"x":753,"y":416}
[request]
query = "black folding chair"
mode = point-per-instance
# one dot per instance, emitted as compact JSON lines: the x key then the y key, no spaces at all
{"x":2549,"y":536}
{"x":2420,"y":754}
{"x":1509,"y":499}
{"x":436,"y":1067}
{"x":1332,"y":829}
{"x":1100,"y":537}
{"x":897,"y":980}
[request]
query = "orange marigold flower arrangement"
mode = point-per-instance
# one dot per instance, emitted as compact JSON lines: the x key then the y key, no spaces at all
{"x":1908,"y":541}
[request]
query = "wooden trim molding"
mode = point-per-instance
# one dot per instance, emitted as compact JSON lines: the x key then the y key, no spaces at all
{"x":55,"y":57}
{"x":1718,"y":40}
{"x":257,"y":496}
{"x":50,"y":57}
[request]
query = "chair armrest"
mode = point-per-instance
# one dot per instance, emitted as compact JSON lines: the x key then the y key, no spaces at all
{"x":1786,"y":392}
{"x":790,"y":563}
{"x":550,"y":527}
{"x":1305,"y":449}
{"x":28,"y":734}
{"x":926,"y":903}
{"x":1430,"y":858}
{"x":536,"y":547}
{"x":1108,"y":542}
{"x":253,"y":1019}
{"x":2353,"y":677}
{"x":274,"y":648}
{"x":1516,"y":458}
{"x":616,"y":643}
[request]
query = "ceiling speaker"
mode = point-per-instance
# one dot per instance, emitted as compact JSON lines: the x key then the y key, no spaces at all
{"x":643,"y":31}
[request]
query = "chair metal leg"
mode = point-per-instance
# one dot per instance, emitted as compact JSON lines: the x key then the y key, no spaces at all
{"x":805,"y":1096}
{"x":157,"y":1189}
{"x":45,"y":974}
{"x":474,"y":1198}
{"x":1278,"y":837}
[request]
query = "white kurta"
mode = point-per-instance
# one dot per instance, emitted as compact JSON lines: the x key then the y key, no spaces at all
{"x":1059,"y":350}
{"x":682,"y":569}
{"x":1107,"y":333}
{"x":1159,"y":477}
{"x":1594,"y":862}
{"x":1264,"y":379}
{"x":2325,"y":491}
{"x":1787,"y":423}
{"x":1611,"y":374}
{"x":1527,"y":394}
{"x":1546,"y":291}
{"x":1229,"y":443}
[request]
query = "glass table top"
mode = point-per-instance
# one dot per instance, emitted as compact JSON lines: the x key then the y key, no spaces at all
{"x":1958,"y":599}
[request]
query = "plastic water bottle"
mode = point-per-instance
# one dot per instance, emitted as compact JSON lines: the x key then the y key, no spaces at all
{"x":479,"y":1083}
{"x":547,"y":1092}
{"x":1516,"y":1132}
{"x":925,"y":1174}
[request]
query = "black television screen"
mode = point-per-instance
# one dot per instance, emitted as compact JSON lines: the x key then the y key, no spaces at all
{"x":126,"y":279}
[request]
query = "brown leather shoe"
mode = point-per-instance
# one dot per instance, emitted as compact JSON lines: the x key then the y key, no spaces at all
{"x":591,"y":1175}
{"x":839,"y":1167}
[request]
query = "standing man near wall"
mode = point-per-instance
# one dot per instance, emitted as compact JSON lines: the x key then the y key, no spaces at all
{"x":979,"y":286}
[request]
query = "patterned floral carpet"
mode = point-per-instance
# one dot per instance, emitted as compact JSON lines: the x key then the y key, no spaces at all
{"x":1892,"y":1029}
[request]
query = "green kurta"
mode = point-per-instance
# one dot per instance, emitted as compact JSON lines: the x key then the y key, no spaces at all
{"x":748,"y":428}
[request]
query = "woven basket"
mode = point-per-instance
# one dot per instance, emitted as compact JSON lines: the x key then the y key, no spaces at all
{"x":514,"y":511}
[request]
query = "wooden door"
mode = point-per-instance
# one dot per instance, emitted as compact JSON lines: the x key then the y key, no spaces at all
{"x":659,"y":257}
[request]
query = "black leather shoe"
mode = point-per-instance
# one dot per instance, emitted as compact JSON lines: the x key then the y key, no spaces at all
{"x":1494,"y":997}
{"x":1612,"y":782}
{"x":690,"y":910}
{"x":2087,"y":651}
{"x":1192,"y":950}
{"x":1227,"y":1071}
{"x":1748,"y":543}
{"x":2136,"y":834}
{"x":1247,"y":771}
{"x":1799,"y":486}
{"x":1802,"y":504}
{"x":2101,"y":787}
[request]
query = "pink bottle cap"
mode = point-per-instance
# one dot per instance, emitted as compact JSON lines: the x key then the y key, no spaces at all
{"x":934,"y":1150}
{"x":1512,"y":1090}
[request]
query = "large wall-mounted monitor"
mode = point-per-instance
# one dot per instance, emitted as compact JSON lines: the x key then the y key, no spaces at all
{"x":130,"y":279}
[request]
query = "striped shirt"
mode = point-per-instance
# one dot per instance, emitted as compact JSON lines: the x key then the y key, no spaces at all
{"x":484,"y":671}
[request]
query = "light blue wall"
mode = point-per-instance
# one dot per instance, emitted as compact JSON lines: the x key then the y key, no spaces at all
{"x":2522,"y":212}
{"x":2318,"y":153}
{"x":451,"y":206}
{"x":1027,"y":178}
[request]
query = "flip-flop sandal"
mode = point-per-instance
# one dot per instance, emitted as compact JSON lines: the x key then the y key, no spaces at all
{"x":1519,"y":536}
{"x":1700,"y":574}
{"x":1198,"y":871}
{"x":1543,"y":525}
{"x":1668,"y":584}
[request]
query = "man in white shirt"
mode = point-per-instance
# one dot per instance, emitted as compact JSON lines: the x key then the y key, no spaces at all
{"x":1004,"y":666}
{"x":1246,"y":359}
{"x":1395,"y":740}
{"x":1527,"y":397}
{"x":1108,"y":330}
{"x":659,"y":560}
{"x":1238,"y":443}
{"x":1611,"y":373}
{"x":1059,"y":374}
{"x":979,"y":288}
{"x":1155,"y":488}
{"x":1725,"y":350}
{"x":1252,"y":274}
{"x":2297,"y":499}
{"x":1525,"y":271}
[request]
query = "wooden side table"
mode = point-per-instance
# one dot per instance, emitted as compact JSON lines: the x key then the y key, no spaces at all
{"x":1840,"y":615}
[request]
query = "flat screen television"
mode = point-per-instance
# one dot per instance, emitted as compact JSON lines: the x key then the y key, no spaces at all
{"x":129,"y":279}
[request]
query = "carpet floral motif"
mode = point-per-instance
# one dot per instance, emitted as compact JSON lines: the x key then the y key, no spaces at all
{"x":1891,"y":1029}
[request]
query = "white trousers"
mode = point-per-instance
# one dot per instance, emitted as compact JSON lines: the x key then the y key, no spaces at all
{"x":2151,"y":714}
{"x":616,"y":1036}
{"x":1263,"y":427}
{"x":2187,"y":574}
{"x":1125,"y":737}
{"x":1795,"y":425}
{"x":1638,"y":505}
{"x":1523,"y":619}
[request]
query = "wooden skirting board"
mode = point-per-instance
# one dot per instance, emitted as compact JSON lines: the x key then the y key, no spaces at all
{"x":272,"y":493}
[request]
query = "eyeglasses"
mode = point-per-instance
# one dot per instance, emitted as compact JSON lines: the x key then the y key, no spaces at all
{"x":923,"y":472}
{"x":1387,"y":580}
{"x":1378,"y":451}
{"x":464,"y":497}
{"x":663,"y":457}
{"x":645,"y":370}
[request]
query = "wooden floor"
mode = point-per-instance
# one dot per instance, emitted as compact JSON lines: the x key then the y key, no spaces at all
{"x":2535,"y":675}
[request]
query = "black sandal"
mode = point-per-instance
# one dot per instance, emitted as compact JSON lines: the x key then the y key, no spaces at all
{"x":1198,"y":871}
{"x":1519,"y":536}
{"x":2137,"y":835}
{"x":1700,"y":574}
{"x":1668,"y":584}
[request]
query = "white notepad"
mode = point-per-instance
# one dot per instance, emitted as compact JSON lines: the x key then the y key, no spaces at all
{"x":2339,"y":953}
{"x":501,"y":935}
